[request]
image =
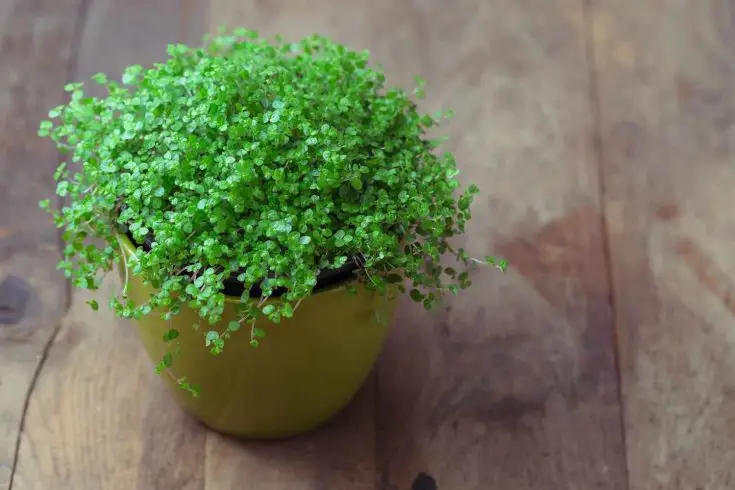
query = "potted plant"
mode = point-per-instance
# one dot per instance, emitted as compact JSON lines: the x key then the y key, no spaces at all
{"x":264,"y":204}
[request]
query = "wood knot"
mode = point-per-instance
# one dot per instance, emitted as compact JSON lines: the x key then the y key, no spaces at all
{"x":423,"y":481}
{"x":14,"y":294}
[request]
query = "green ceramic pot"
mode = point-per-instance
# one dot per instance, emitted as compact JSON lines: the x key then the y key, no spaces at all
{"x":305,"y":371}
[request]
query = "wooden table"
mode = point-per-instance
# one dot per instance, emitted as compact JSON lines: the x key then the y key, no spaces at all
{"x":601,"y":134}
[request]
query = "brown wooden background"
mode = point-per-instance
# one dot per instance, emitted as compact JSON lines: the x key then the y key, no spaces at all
{"x":601,"y":134}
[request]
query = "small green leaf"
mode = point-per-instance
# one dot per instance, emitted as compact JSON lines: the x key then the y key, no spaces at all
{"x":43,"y":130}
{"x":59,"y":170}
{"x":287,"y":310}
{"x":211,"y":338}
{"x":93,"y":304}
{"x":258,"y":332}
{"x":501,"y":264}
{"x":452,"y":172}
{"x":430,"y":301}
{"x":233,"y":326}
{"x":416,"y":295}
{"x":62,"y":188}
{"x":356,"y":184}
{"x":254,"y":343}
{"x":170,"y":335}
{"x":164,"y":363}
{"x":268,"y":309}
{"x":131,"y":73}
{"x":100,"y":78}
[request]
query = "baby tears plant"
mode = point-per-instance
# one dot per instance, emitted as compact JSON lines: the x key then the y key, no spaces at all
{"x":265,"y":163}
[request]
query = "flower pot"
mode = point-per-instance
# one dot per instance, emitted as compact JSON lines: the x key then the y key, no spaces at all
{"x":305,"y":370}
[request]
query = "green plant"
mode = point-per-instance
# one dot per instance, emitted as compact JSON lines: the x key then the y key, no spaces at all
{"x":268,"y":161}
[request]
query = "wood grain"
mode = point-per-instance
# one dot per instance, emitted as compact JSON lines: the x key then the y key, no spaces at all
{"x":36,"y":48}
{"x":667,"y":113}
{"x":339,"y":455}
{"x":515,"y":386}
{"x":99,"y":418}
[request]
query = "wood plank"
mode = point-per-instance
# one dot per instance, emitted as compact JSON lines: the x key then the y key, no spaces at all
{"x":667,"y":114}
{"x":515,"y":386}
{"x":36,"y":47}
{"x":99,"y":417}
{"x":340,"y":455}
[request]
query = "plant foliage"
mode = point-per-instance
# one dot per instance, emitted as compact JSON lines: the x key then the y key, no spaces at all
{"x":268,"y":161}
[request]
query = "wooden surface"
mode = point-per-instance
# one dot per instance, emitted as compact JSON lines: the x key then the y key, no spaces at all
{"x":601,"y":135}
{"x":37,"y":48}
{"x":666,"y":73}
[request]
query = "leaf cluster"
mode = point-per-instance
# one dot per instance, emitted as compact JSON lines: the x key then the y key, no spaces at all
{"x":269,"y":162}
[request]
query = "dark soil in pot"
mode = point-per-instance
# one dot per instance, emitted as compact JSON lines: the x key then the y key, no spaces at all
{"x":233,"y":287}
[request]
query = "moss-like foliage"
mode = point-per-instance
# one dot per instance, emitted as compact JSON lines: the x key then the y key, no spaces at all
{"x":266,"y":162}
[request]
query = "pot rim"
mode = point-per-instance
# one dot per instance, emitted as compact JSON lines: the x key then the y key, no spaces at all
{"x":129,"y":248}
